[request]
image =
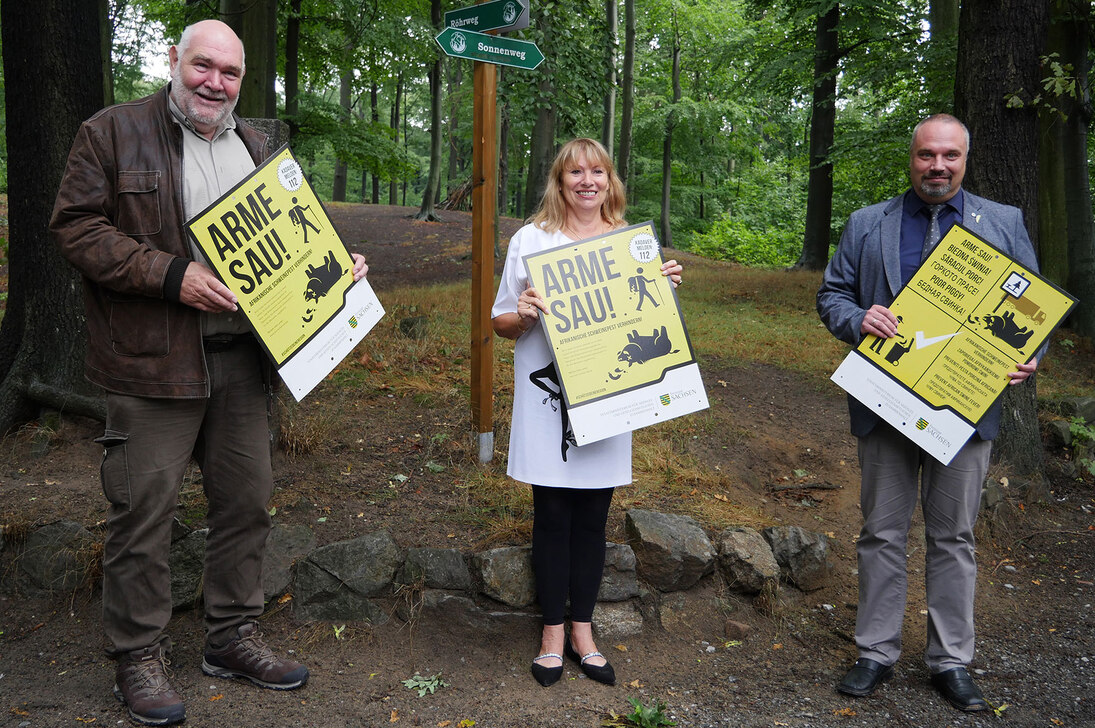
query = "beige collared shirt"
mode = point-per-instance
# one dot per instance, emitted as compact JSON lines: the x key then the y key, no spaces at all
{"x":211,"y":167}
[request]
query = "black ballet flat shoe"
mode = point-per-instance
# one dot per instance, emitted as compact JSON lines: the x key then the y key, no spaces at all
{"x":601,"y":673}
{"x":547,"y":676}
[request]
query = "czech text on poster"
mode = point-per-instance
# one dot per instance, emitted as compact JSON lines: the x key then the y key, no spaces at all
{"x":271,"y":243}
{"x":967,"y":317}
{"x":616,"y":333}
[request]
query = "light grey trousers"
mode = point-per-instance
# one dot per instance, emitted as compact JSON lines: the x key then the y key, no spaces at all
{"x":893,"y":471}
{"x":148,"y":445}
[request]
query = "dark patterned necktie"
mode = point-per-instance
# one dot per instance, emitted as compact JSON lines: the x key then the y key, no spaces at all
{"x":931,"y":238}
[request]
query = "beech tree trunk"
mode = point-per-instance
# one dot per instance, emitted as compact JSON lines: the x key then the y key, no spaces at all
{"x":433,"y":182}
{"x":819,"y":187}
{"x":608,"y":120}
{"x":623,"y":161}
{"x":543,"y":129}
{"x":999,"y":50}
{"x":43,"y":338}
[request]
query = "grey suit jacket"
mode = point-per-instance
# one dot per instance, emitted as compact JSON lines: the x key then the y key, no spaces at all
{"x":866,"y":269}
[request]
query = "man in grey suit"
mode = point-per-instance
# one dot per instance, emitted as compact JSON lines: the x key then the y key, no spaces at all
{"x":880,"y":250}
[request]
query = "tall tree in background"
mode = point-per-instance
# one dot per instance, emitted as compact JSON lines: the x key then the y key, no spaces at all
{"x":670,"y":123}
{"x":819,"y":189}
{"x":608,"y":121}
{"x":292,"y":67}
{"x":433,"y":179}
{"x":999,"y":50}
{"x":623,"y":161}
{"x":255,"y":22}
{"x":543,"y":131}
{"x":42,"y":338}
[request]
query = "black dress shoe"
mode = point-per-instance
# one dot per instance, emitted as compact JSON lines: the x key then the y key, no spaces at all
{"x":547,"y":676}
{"x":601,"y":673}
{"x":864,"y":677}
{"x":959,"y":689}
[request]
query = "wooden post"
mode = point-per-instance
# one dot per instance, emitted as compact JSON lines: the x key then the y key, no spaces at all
{"x":484,"y":200}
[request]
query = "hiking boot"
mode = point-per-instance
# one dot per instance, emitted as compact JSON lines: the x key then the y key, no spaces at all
{"x":141,"y":683}
{"x":249,"y":657}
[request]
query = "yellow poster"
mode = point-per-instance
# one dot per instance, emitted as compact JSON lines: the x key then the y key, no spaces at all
{"x":271,"y":243}
{"x":616,"y":332}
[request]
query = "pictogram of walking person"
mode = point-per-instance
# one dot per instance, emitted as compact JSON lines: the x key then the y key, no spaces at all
{"x":637,"y":284}
{"x":299,"y":215}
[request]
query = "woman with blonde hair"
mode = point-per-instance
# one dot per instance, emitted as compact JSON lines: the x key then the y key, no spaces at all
{"x":571,"y":486}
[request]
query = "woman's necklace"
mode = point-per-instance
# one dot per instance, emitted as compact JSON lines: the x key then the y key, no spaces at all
{"x":574,"y":233}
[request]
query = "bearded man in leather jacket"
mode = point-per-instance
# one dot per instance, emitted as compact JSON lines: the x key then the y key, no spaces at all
{"x":183,"y":376}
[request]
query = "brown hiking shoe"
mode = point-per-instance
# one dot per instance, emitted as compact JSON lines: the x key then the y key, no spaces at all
{"x":249,"y":657}
{"x":141,"y":682}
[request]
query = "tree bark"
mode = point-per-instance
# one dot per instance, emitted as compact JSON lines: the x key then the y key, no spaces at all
{"x":338,"y":188}
{"x":1076,"y":22}
{"x":623,"y":161}
{"x":943,"y":20}
{"x":819,"y":187}
{"x":543,"y":129}
{"x":608,"y":120}
{"x":999,"y":47}
{"x":456,"y":163}
{"x":374,"y":106}
{"x":503,"y":147}
{"x":393,"y":187}
{"x":43,"y":338}
{"x":292,"y":67}
{"x":667,"y":141}
{"x":255,"y":22}
{"x":433,"y":181}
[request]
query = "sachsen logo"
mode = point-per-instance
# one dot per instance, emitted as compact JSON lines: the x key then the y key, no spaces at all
{"x":666,"y":399}
{"x":353,"y":322}
{"x":921,"y":423}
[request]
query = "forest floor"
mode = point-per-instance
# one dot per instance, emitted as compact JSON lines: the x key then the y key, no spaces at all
{"x":766,"y":425}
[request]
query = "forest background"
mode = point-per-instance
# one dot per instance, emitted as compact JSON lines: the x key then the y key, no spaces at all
{"x":747,"y":130}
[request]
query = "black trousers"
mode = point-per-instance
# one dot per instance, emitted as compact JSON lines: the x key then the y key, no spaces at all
{"x":568,"y":549}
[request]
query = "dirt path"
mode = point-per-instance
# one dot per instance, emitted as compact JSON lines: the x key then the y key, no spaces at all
{"x":1036,"y":638}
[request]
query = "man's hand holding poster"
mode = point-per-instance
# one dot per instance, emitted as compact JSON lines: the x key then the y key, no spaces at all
{"x":968,"y":315}
{"x":271,"y":243}
{"x":616,"y":333}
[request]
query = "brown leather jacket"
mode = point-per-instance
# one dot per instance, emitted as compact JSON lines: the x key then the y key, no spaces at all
{"x":119,"y":219}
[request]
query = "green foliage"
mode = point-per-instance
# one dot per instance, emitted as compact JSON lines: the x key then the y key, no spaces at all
{"x":640,"y":716}
{"x":1083,"y":443}
{"x":423,"y":685}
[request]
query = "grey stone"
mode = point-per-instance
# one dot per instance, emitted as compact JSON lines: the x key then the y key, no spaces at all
{"x":187,"y":561}
{"x":746,"y":561}
{"x":60,"y":557}
{"x":673,"y":552}
{"x":620,"y":579}
{"x":1083,"y":407}
{"x":735,"y":630}
{"x":179,"y":529}
{"x":803,"y":556}
{"x":284,"y":545}
{"x":436,"y":569}
{"x":1058,"y":433}
{"x":506,"y":574}
{"x":617,"y":620}
{"x":335,"y":581}
{"x":991,"y":496}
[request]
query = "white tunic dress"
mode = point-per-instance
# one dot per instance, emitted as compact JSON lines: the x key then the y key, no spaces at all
{"x":536,"y":443}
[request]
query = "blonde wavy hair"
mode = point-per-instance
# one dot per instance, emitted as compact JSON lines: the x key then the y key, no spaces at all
{"x":551,"y":215}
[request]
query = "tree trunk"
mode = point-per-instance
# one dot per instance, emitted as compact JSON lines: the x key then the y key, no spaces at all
{"x":393,"y":188}
{"x":338,"y":190}
{"x":667,"y":142}
{"x":819,"y":189}
{"x":623,"y":162}
{"x":374,"y":105}
{"x":543,"y":130}
{"x":939,"y":71}
{"x":456,"y":77}
{"x":292,"y":67}
{"x":608,"y":120}
{"x":42,"y":338}
{"x":106,"y":39}
{"x":255,"y":22}
{"x":503,"y":148}
{"x":999,"y":46}
{"x":1081,"y":235}
{"x":433,"y":182}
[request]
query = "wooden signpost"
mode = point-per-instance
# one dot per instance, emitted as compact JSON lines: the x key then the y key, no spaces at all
{"x":465,"y":36}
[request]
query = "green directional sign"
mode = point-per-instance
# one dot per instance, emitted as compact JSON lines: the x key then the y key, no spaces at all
{"x":493,"y":15}
{"x":490,"y":48}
